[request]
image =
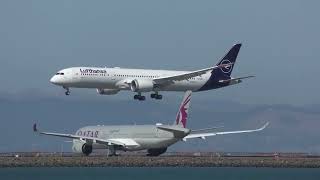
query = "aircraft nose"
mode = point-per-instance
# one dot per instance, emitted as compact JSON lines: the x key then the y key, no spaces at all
{"x":54,"y":80}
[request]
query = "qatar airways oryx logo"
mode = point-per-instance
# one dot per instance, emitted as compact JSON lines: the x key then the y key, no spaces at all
{"x":85,"y":71}
{"x":227,"y":68}
{"x":183,"y":112}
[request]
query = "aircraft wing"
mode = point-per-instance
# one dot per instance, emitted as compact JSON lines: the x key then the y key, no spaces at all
{"x":90,"y":140}
{"x":186,"y":76}
{"x":204,"y":135}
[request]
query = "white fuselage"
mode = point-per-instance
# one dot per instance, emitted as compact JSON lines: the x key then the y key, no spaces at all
{"x":110,"y":81}
{"x":120,"y":79}
{"x":146,"y":136}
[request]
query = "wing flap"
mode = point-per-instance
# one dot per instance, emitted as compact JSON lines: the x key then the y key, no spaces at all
{"x":126,"y":142}
{"x":85,"y":138}
{"x":90,"y":140}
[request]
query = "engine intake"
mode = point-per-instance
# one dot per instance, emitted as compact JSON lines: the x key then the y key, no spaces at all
{"x":139,"y":85}
{"x":81,"y":147}
{"x":86,"y":149}
{"x":156,"y":152}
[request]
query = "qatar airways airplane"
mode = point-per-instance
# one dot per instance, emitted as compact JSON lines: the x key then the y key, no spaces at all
{"x":110,"y":81}
{"x":153,"y":138}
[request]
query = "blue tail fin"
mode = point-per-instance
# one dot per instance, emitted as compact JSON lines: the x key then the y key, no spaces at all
{"x":224,"y":73}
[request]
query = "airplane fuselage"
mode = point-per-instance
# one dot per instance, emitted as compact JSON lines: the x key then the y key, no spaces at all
{"x":146,"y":136}
{"x":120,"y":79}
{"x":110,"y":81}
{"x":153,"y":138}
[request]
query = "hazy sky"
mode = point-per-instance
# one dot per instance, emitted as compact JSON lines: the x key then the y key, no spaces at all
{"x":280,"y":43}
{"x":280,"y":46}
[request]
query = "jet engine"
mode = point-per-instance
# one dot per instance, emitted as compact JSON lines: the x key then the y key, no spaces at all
{"x":156,"y":152}
{"x":140,"y":85}
{"x":82,"y":148}
{"x":86,"y":149}
{"x":107,"y":91}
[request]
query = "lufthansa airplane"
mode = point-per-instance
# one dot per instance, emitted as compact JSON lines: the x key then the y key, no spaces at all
{"x":153,"y":138}
{"x":110,"y":81}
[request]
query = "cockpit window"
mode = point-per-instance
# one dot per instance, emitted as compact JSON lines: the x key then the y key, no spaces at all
{"x":59,"y":73}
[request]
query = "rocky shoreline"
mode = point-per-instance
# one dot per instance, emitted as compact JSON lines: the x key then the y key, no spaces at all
{"x":162,"y":161}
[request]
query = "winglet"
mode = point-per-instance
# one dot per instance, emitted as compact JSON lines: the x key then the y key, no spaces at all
{"x":264,"y":126}
{"x":35,"y":127}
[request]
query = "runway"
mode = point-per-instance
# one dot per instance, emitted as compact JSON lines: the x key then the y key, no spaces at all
{"x":275,"y":160}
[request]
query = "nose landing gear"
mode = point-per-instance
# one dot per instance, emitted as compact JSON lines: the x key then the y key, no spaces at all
{"x":67,"y":93}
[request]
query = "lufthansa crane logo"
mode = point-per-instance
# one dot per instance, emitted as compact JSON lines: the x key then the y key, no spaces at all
{"x":228,"y":68}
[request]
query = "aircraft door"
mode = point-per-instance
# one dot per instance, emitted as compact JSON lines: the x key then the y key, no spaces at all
{"x":158,"y":133}
{"x":75,"y":75}
{"x":112,"y":77}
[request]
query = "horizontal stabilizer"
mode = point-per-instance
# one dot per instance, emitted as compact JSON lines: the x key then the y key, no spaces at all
{"x":173,"y":128}
{"x":235,"y":79}
{"x":178,"y":132}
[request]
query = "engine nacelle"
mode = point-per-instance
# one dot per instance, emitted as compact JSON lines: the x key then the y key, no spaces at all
{"x":156,"y":152}
{"x":86,"y":149}
{"x":140,"y":85}
{"x":80,"y":147}
{"x":107,"y":91}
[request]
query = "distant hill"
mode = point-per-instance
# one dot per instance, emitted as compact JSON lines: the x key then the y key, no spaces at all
{"x":294,"y":129}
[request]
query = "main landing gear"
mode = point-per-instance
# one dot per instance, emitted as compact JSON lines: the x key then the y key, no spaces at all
{"x":112,"y":151}
{"x":67,"y":93}
{"x":142,"y":98}
{"x":139,"y":97}
{"x":156,"y":96}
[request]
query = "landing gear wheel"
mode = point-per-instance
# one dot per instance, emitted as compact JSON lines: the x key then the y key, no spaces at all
{"x":139,"y":97}
{"x":158,"y":96}
{"x":112,"y":152}
{"x":67,"y":93}
{"x":136,"y":97}
{"x":142,"y":98}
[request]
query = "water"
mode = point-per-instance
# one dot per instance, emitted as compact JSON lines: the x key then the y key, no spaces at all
{"x":158,"y":173}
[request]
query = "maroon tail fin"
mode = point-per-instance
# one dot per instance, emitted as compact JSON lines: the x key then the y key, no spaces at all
{"x":182,"y":114}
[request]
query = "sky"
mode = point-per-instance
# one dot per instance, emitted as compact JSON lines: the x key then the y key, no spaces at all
{"x":280,"y":47}
{"x":280,"y":43}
